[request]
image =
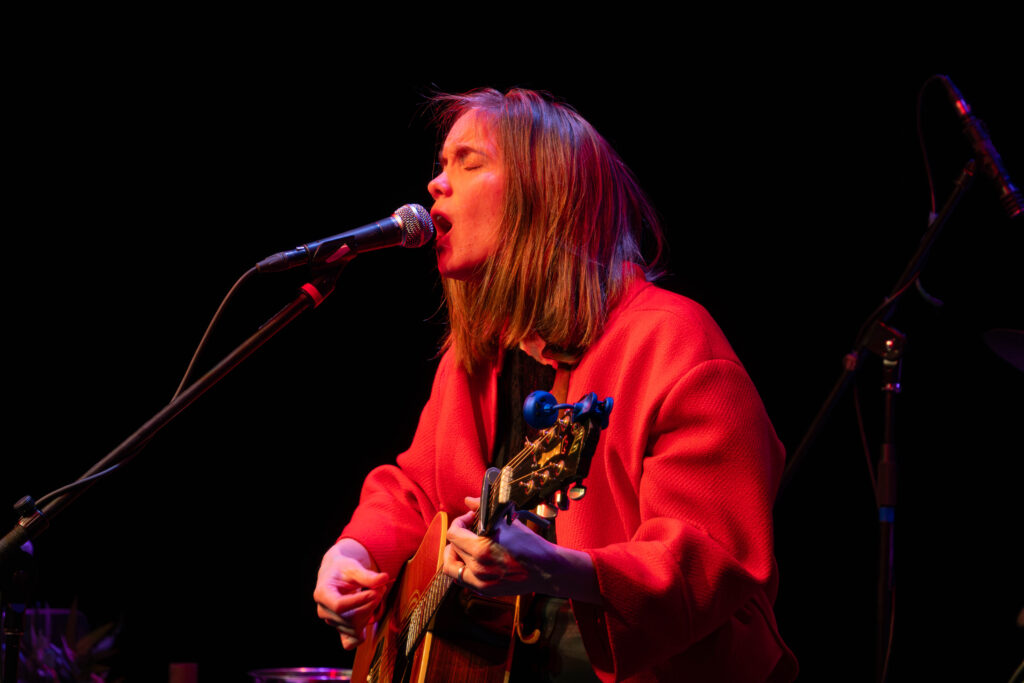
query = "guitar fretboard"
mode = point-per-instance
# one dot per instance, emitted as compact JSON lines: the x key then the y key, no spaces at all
{"x":425,"y":609}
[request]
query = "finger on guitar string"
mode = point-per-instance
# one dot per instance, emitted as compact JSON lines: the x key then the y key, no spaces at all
{"x":488,"y":561}
{"x":468,"y":572}
{"x":456,"y":568}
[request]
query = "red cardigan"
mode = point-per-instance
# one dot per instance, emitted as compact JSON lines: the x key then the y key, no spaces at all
{"x":678,"y":512}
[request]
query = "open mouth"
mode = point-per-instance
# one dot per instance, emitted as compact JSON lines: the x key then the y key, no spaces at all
{"x":441,"y":223}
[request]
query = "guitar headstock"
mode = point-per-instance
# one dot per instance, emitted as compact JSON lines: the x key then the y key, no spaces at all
{"x":550,"y":470}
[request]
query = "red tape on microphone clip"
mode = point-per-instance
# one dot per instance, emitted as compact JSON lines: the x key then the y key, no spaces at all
{"x":313,"y":294}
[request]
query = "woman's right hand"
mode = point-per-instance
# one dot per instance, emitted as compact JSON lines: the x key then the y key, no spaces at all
{"x":348,"y":590}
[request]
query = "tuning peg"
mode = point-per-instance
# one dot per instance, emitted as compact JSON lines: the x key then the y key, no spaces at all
{"x":546,"y":511}
{"x":577,"y":492}
{"x":540,"y":409}
{"x":600,"y":409}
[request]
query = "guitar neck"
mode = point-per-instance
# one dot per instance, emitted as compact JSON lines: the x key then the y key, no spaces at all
{"x":528,"y":478}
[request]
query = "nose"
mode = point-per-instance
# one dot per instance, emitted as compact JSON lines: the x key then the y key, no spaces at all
{"x":439,"y":187}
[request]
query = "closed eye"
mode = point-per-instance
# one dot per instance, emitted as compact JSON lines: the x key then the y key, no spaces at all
{"x":465,"y":157}
{"x":469,"y":158}
{"x":471,"y":161}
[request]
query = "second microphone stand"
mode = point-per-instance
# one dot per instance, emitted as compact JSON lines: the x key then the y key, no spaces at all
{"x":877,"y":338}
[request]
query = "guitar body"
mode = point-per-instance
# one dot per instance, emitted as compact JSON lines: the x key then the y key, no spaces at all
{"x":469,"y":642}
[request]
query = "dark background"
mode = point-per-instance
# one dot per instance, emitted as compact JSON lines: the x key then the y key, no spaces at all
{"x":148,"y":169}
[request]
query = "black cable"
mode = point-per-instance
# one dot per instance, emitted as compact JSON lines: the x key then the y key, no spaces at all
{"x":76,"y":484}
{"x":921,"y":143}
{"x":209,"y":328}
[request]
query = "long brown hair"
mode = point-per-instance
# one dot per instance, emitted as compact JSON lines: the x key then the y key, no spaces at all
{"x":574,"y":218}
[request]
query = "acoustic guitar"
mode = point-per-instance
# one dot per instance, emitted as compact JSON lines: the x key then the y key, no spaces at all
{"x":434,"y":631}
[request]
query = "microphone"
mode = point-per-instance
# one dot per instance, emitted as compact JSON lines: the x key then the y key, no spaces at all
{"x":988,"y":158}
{"x":409,"y":226}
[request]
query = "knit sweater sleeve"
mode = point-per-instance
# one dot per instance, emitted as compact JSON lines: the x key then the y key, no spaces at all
{"x":703,"y":549}
{"x":398,"y":501}
{"x":688,"y":584}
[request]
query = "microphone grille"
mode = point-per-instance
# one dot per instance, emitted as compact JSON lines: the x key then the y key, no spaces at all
{"x":417,"y":228}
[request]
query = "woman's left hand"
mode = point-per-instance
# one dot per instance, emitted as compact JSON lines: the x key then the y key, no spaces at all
{"x":516,"y":561}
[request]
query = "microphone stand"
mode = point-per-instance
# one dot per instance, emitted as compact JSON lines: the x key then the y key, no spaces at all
{"x":34,"y":521}
{"x":876,"y":337}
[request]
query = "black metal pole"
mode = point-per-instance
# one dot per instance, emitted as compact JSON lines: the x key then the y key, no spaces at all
{"x":886,"y":495}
